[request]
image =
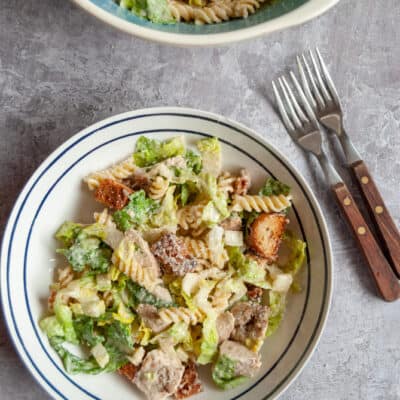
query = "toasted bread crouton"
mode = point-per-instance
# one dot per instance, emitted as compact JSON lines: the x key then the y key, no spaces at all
{"x":112,"y":194}
{"x":265,"y":235}
{"x":190,"y":383}
{"x":129,"y":371}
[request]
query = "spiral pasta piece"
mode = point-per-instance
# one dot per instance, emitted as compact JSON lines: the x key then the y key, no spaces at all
{"x":243,"y":8}
{"x":180,"y":314}
{"x":65,"y":276}
{"x":199,"y":249}
{"x":158,"y":187}
{"x":117,"y":172}
{"x":125,"y":259}
{"x":260,"y":203}
{"x":108,"y":298}
{"x":190,"y":219}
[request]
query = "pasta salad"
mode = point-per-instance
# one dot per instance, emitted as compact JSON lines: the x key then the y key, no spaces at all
{"x":183,"y":267}
{"x":199,"y":12}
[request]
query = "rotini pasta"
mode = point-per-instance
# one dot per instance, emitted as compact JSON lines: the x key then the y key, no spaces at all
{"x":125,"y":259}
{"x":158,"y":187}
{"x":117,"y":172}
{"x":180,"y":314}
{"x":200,"y":250}
{"x":190,"y":219}
{"x":225,"y":183}
{"x":260,"y":203}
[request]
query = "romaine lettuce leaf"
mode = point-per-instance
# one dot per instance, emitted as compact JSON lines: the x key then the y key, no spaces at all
{"x":139,"y":295}
{"x":85,"y":331}
{"x":68,"y":232}
{"x":223,"y":373}
{"x":136,"y":213}
{"x":210,"y":150}
{"x":277,"y":305}
{"x":119,"y":334}
{"x":292,"y":253}
{"x":150,"y":151}
{"x":167,"y":212}
{"x":273,"y":187}
{"x":51,"y":327}
{"x":64,"y":316}
{"x":209,"y":341}
{"x":193,"y":161}
{"x":248,"y":269}
{"x":75,"y":365}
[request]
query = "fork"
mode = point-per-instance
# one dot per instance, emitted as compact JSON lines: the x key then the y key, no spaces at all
{"x":321,"y":93}
{"x":302,"y":125}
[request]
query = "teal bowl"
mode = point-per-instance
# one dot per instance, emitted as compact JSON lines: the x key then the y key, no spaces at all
{"x":279,"y":15}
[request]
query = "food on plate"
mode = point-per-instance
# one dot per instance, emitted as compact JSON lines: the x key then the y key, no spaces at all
{"x":196,"y":11}
{"x":184,"y":267}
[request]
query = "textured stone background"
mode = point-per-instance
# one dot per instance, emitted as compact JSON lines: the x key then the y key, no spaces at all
{"x":61,"y":70}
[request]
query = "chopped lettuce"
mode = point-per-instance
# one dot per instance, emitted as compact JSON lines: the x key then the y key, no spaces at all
{"x":68,"y":232}
{"x":119,"y":334}
{"x":167,"y":212}
{"x":100,"y":354}
{"x":248,"y":269}
{"x":87,"y":248}
{"x":64,"y":316}
{"x":210,"y":150}
{"x":150,"y":151}
{"x":292,"y":253}
{"x":51,"y":327}
{"x":75,"y":365}
{"x":159,"y":12}
{"x":273,"y":187}
{"x":86,"y":331}
{"x":223,"y":373}
{"x":188,"y":191}
{"x":139,"y":295}
{"x":136,"y":213}
{"x":193,"y":161}
{"x":277,"y":305}
{"x":209,"y":341}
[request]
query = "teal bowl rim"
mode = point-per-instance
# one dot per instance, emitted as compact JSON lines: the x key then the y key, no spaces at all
{"x":298,"y":12}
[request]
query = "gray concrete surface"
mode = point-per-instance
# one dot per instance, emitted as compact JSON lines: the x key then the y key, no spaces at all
{"x":61,"y":70}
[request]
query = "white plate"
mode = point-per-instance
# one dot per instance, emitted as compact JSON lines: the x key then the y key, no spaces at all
{"x":55,"y":193}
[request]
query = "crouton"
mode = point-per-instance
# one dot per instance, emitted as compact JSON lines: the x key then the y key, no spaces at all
{"x":112,"y":194}
{"x":137,"y":182}
{"x":254,"y":293}
{"x":173,"y":256}
{"x":265,"y":235}
{"x":129,"y":371}
{"x":190,"y":383}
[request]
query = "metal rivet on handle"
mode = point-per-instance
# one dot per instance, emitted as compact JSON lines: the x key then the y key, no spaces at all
{"x":347,"y":201}
{"x":365,"y":180}
{"x":361,"y":230}
{"x":379,"y":209}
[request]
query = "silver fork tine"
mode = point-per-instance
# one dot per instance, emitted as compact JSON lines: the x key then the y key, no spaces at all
{"x":320,"y":100}
{"x":325,"y":93}
{"x":292,"y":112}
{"x":305,"y":84}
{"x":294,"y":101}
{"x":328,"y":78}
{"x":306,"y":104}
{"x":284,"y":115}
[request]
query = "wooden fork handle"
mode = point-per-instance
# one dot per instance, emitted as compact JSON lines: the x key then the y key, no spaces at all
{"x":386,"y":281}
{"x":389,"y":234}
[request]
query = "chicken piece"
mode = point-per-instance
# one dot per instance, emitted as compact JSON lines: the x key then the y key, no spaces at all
{"x":160,"y":375}
{"x":112,"y":194}
{"x":151,"y":318}
{"x":265,"y":235}
{"x":251,"y":322}
{"x":242,"y":183}
{"x":190,"y":383}
{"x":144,"y":256}
{"x":137,"y":181}
{"x":254,"y":293}
{"x":129,"y":371}
{"x":233,"y":223}
{"x":247,"y":362}
{"x":173,"y":255}
{"x":225,"y":325}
